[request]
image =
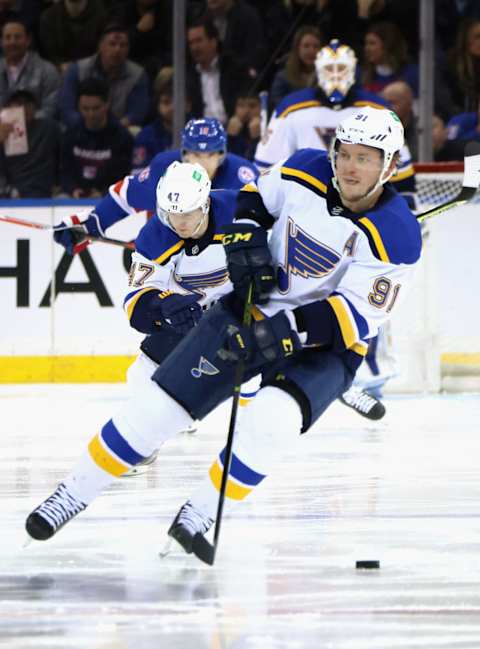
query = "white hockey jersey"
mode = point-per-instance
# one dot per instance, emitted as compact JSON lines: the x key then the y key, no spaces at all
{"x":359,"y":263}
{"x":303,"y":121}
{"x":165,"y":262}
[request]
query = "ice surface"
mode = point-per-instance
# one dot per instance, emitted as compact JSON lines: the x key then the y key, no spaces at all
{"x":405,"y":491}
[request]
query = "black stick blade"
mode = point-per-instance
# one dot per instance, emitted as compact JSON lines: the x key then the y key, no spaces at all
{"x":203,"y":550}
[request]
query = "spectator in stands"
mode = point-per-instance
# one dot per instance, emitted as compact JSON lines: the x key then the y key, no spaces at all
{"x":386,"y":59}
{"x":32,"y":174}
{"x":149,"y":23}
{"x":23,"y":69}
{"x":127,"y":81}
{"x":214,"y":78}
{"x":445,"y":150}
{"x":156,"y":136}
{"x":70,"y":30}
{"x":243,"y":127}
{"x":465,"y":126}
{"x":299,"y":70}
{"x":27,"y":11}
{"x":240,"y":32}
{"x":400,"y":97}
{"x":97,"y":151}
{"x":464,"y":68}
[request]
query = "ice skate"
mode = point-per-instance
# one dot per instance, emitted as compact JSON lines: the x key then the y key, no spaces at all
{"x":53,"y":513}
{"x":365,"y":404}
{"x":141,"y":467}
{"x":188,"y":522}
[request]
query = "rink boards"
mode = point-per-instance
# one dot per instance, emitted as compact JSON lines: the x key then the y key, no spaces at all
{"x":73,"y":329}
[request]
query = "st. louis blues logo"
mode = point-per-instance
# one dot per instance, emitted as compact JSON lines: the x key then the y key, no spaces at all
{"x":196,"y":283}
{"x":305,"y":256}
{"x":204,"y":367}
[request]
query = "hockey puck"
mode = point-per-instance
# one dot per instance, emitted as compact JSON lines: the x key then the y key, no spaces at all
{"x":367,"y":565}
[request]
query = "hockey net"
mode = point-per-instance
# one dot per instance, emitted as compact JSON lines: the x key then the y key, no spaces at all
{"x":430,"y":345}
{"x":437,"y":183}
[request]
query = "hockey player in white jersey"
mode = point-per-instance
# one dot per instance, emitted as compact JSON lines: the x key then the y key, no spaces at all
{"x":309,"y":117}
{"x":342,"y":252}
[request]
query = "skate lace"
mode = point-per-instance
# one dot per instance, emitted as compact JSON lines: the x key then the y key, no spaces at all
{"x":60,"y":507}
{"x":194,"y":520}
{"x":362,"y":401}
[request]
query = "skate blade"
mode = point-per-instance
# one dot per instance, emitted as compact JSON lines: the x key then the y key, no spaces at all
{"x":167,"y":549}
{"x":28,"y":541}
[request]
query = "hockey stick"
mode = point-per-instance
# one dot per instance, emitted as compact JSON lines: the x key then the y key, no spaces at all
{"x":263,"y":96}
{"x":42,"y":226}
{"x":470,"y":183}
{"x":201,"y":548}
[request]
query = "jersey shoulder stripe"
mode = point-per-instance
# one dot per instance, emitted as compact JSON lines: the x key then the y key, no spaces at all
{"x":309,"y":168}
{"x":157,"y":242}
{"x":300,"y":106}
{"x":295,"y":98}
{"x":365,"y":98}
{"x":392,"y":231}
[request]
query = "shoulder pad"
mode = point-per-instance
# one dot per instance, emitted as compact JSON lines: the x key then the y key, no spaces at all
{"x":223,"y":206}
{"x":364,"y":98}
{"x":304,"y":98}
{"x":310,"y":168}
{"x":393,"y":232}
{"x":234,"y":172}
{"x":157,"y":242}
{"x":162,"y":160}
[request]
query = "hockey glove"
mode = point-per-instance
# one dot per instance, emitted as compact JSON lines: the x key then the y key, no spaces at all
{"x":73,"y":233}
{"x":272,"y":338}
{"x":249,"y":260}
{"x":155,"y":311}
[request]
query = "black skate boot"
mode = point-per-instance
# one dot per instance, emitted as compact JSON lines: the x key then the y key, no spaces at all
{"x":188,"y":522}
{"x":52,"y":514}
{"x":365,"y":404}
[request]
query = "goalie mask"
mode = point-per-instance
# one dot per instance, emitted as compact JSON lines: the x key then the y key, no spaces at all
{"x":374,"y":127}
{"x":335,"y":65}
{"x":183,"y":188}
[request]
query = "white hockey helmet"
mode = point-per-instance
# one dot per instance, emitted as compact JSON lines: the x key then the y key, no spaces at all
{"x":335,"y":65}
{"x":183,"y":188}
{"x":376,"y":127}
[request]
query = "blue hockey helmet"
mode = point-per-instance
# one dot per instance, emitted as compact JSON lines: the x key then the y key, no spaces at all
{"x":204,"y":135}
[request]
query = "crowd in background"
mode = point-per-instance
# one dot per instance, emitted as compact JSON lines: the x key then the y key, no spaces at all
{"x":94,"y":78}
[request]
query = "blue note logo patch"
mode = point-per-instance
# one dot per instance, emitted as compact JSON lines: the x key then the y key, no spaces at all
{"x":198,"y":283}
{"x":306,"y":257}
{"x":204,"y":367}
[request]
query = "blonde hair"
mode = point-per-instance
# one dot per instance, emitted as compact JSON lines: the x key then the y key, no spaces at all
{"x":296,"y":73}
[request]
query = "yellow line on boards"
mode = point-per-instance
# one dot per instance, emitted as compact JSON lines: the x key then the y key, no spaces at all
{"x":472,"y":359}
{"x":112,"y":369}
{"x":64,"y":369}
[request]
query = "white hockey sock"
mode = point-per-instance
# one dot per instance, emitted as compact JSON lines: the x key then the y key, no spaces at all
{"x":141,"y":427}
{"x":260,"y":441}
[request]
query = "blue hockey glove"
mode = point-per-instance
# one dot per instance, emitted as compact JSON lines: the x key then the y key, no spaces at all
{"x":249,"y":260}
{"x":272,"y":338}
{"x":155,"y":311}
{"x":73,"y":233}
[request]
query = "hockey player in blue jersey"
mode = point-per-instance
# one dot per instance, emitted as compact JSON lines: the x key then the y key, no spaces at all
{"x":341,"y":253}
{"x":204,"y":141}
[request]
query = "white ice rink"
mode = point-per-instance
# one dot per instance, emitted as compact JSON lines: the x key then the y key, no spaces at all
{"x":405,"y":491}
